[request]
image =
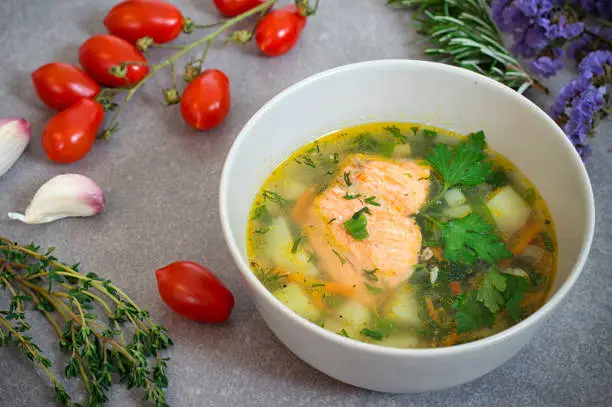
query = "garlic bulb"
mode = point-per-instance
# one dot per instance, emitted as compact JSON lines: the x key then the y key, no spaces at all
{"x":68,"y":195}
{"x":14,"y":138}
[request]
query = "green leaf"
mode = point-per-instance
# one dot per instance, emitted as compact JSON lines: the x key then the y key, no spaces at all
{"x":395,"y":132}
{"x":471,"y":238}
{"x":464,"y":164}
{"x":276,"y":198}
{"x":430,"y":133}
{"x":514,"y":295}
{"x":356,"y":226}
{"x":371,"y":200}
{"x":491,"y":289}
{"x":470,"y":314}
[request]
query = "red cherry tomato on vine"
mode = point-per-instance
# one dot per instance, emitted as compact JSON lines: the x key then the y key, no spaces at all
{"x":231,"y":8}
{"x":279,"y":30}
{"x":194,"y":292}
{"x":60,"y":85}
{"x":206,"y":100}
{"x":69,"y":135}
{"x":135,"y":19}
{"x":101,"y":52}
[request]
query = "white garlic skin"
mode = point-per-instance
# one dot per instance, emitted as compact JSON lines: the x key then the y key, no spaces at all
{"x":15,"y":136}
{"x":68,"y":195}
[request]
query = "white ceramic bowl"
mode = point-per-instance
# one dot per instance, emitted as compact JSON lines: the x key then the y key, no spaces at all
{"x":422,"y":92}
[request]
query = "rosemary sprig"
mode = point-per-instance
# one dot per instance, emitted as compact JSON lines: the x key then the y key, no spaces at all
{"x":99,"y":351}
{"x":462,"y":33}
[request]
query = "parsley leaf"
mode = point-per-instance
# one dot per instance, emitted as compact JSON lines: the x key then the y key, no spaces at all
{"x":471,"y":314}
{"x":516,"y":287}
{"x":491,"y":289}
{"x":471,"y":238}
{"x":463,"y":164}
{"x":356,"y":226}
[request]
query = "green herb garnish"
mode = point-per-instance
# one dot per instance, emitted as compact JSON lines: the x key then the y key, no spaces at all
{"x":315,"y":285}
{"x":491,"y":289}
{"x":395,"y":132}
{"x":547,"y":241}
{"x":276,"y":198}
{"x":516,"y":287}
{"x":471,"y":314}
{"x":331,"y":220}
{"x":471,"y":238}
{"x":305,"y":159}
{"x":356,"y":226}
{"x":430,"y":133}
{"x":464,"y":164}
{"x":348,"y":196}
{"x":296,"y":244}
{"x":367,"y":143}
{"x":371,"y":333}
{"x":342,"y":261}
{"x":347,"y":179}
{"x":371,"y":274}
{"x":371,"y":200}
{"x":343,"y":333}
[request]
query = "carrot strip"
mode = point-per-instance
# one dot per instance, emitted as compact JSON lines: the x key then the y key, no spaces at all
{"x":451,"y":339}
{"x":340,"y":289}
{"x":456,"y":287}
{"x":317,"y":299}
{"x":526,"y":235}
{"x":431,"y":309}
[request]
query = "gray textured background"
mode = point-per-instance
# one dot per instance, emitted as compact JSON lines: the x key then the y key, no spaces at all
{"x":161,"y":181}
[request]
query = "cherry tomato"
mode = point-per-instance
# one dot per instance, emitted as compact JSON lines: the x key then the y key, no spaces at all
{"x":60,"y":85}
{"x":231,"y":8}
{"x":132,"y":20}
{"x":70,"y":134}
{"x":206,"y":100}
{"x":101,"y":52}
{"x":194,"y":292}
{"x":279,"y":30}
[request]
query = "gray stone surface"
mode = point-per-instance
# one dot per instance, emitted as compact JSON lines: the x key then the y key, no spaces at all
{"x":161,"y":180}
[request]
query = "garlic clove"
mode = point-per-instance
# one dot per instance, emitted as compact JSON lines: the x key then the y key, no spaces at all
{"x":14,"y":138}
{"x":68,"y":195}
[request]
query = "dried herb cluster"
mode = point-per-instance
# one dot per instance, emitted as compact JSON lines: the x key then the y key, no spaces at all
{"x":100,"y":350}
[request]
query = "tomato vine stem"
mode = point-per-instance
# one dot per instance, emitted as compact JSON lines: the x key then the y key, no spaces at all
{"x":154,"y":69}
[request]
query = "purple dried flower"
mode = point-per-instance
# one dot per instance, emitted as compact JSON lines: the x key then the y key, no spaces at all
{"x":593,"y":64}
{"x":533,"y":23}
{"x":582,"y":115}
{"x":547,"y":65}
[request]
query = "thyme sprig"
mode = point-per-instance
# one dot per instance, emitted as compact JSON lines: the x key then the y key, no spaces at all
{"x":462,"y":33}
{"x":99,"y":351}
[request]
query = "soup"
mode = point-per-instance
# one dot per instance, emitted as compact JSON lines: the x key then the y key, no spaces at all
{"x":404,"y":236}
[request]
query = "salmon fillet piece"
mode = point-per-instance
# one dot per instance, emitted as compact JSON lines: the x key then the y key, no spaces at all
{"x":394,"y":242}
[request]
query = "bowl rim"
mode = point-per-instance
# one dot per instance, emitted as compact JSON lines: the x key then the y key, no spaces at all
{"x":531,"y":321}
